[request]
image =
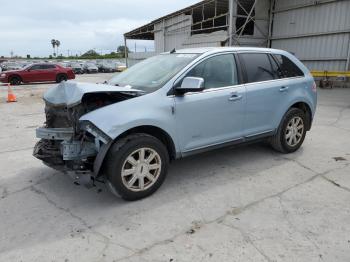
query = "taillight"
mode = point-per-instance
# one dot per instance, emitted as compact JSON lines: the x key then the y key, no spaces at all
{"x":314,"y":87}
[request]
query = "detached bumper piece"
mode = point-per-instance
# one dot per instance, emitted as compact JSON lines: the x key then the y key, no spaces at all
{"x":55,"y":133}
{"x":75,"y":150}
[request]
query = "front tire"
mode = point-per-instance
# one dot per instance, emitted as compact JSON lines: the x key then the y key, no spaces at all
{"x":15,"y":80}
{"x":291,"y":132}
{"x":136,"y":166}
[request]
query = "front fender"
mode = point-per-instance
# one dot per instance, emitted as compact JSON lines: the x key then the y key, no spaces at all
{"x":154,"y":109}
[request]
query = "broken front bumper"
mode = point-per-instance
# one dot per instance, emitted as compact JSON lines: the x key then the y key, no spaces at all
{"x":70,"y":149}
{"x":58,"y":149}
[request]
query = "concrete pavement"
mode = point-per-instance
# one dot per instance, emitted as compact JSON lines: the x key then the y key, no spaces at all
{"x":247,"y":203}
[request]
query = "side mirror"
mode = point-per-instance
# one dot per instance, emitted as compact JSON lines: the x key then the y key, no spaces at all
{"x":190,"y":84}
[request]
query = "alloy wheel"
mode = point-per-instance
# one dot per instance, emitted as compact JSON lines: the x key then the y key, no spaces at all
{"x":141,"y":169}
{"x":294,"y":131}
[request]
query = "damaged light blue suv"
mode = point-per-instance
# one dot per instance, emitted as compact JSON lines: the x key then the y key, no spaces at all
{"x":174,"y":105}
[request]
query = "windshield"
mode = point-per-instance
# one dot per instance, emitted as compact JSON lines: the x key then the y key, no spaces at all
{"x":151,"y":74}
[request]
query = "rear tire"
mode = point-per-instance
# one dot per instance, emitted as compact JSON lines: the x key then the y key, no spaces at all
{"x":61,"y":78}
{"x":291,"y":132}
{"x":15,"y":80}
{"x":136,"y":166}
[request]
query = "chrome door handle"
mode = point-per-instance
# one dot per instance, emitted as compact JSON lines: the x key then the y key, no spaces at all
{"x":235,"y":97}
{"x":284,"y":88}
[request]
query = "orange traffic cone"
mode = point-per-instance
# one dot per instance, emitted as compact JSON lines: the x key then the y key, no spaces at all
{"x":11,"y":97}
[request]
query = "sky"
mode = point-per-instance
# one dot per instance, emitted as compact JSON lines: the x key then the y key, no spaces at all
{"x":80,"y":25}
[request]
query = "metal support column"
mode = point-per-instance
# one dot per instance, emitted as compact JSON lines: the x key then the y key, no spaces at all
{"x":230,"y":22}
{"x":164,"y":36}
{"x":347,"y":66}
{"x":125,"y":52}
{"x":271,"y":16}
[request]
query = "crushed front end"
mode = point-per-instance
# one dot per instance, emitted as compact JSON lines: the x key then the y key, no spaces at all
{"x":68,"y":144}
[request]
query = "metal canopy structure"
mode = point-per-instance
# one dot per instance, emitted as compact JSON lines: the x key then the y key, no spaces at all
{"x":317,"y":32}
{"x":210,"y":16}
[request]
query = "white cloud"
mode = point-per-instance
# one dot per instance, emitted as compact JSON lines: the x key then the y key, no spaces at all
{"x":80,"y":25}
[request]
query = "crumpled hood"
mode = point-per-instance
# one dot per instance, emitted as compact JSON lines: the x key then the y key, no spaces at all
{"x":70,"y":93}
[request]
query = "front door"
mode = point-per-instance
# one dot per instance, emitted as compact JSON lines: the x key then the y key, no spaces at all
{"x":215,"y":115}
{"x":33,"y":74}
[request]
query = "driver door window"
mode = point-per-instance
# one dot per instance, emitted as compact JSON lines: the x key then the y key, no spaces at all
{"x":217,"y":71}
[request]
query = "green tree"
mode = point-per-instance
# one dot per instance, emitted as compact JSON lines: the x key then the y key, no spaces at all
{"x":91,"y":54}
{"x":121,"y":50}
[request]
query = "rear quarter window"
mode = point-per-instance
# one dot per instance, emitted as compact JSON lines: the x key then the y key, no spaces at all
{"x":287,"y":67}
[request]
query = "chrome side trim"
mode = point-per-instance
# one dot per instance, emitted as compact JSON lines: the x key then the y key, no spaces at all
{"x":211,"y":147}
{"x":260,"y":133}
{"x":242,"y":140}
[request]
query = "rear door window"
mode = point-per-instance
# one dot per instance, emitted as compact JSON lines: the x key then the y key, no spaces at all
{"x":287,"y":67}
{"x":47,"y":67}
{"x":258,"y":67}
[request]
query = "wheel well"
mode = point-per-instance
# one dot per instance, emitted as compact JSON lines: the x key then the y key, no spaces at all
{"x":306,"y":109}
{"x":11,"y":76}
{"x":157,"y":132}
{"x":61,"y":74}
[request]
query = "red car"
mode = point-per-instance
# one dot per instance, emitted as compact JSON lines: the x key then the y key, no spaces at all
{"x":37,"y":73}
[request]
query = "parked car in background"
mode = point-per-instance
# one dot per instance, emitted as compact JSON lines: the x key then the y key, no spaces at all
{"x":76,"y":67}
{"x":171,"y":106}
{"x":46,"y":72}
{"x":106,"y":67}
{"x":7,"y":66}
{"x":63,"y":64}
{"x":25,"y":63}
{"x":90,"y":68}
{"x":120,"y":67}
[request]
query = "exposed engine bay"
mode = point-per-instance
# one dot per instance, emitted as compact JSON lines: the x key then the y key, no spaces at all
{"x":67,"y":144}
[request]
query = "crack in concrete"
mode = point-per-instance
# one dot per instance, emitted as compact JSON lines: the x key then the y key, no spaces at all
{"x":148,"y":248}
{"x":4,"y":193}
{"x":248,"y":239}
{"x":340,"y":115}
{"x":106,"y":240}
{"x":335,"y":183}
{"x":40,"y":181}
{"x":299,"y":164}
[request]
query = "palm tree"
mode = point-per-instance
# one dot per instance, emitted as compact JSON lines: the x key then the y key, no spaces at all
{"x":53,"y":43}
{"x":58,"y":43}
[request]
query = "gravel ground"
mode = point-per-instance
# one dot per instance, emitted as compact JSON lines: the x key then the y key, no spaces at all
{"x":235,"y":204}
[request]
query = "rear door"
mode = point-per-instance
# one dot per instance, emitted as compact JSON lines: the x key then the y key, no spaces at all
{"x":48,"y":72}
{"x":266,"y":93}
